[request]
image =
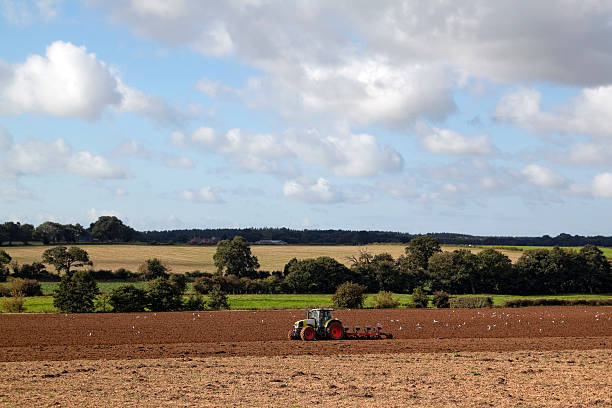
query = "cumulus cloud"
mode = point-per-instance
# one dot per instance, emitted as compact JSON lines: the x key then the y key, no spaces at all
{"x":446,"y":141}
{"x":133,"y":148}
{"x":602,"y":185}
{"x":68,"y":81}
{"x":347,"y":154}
{"x":41,"y":157}
{"x":211,"y":195}
{"x":542,"y":176}
{"x":322,"y":191}
{"x":22,"y":13}
{"x":588,"y":113}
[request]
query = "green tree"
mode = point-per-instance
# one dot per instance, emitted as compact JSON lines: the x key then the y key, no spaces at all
{"x":420,"y":249}
{"x":364,"y":271}
{"x":217,"y":299}
{"x":111,"y":228}
{"x":495,"y":271}
{"x":163,"y":296}
{"x":128,"y":298}
{"x":26,"y":231}
{"x":234,"y":258}
{"x":5,"y":259}
{"x":11,"y":231}
{"x":349,"y":295}
{"x":49,"y":232}
{"x":317,"y":275}
{"x":440,"y":271}
{"x":76,"y":293}
{"x":64,"y":259}
{"x":152,"y":269}
{"x":595,"y":274}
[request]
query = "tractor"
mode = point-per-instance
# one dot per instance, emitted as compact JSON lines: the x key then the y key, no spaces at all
{"x":319,"y":324}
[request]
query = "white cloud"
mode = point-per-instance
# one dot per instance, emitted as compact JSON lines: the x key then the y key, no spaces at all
{"x":41,"y":157}
{"x":93,"y":166}
{"x":588,"y":113}
{"x":211,"y":195}
{"x":446,"y":141}
{"x":602,"y":185}
{"x":68,"y":81}
{"x":347,"y":154}
{"x":120,"y":192}
{"x":177,"y":138}
{"x":542,"y":176}
{"x":319,"y":191}
{"x":133,"y":148}
{"x":179,"y":162}
{"x":20,"y":13}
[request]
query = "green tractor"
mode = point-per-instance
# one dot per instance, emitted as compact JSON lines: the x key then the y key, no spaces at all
{"x":319,"y":324}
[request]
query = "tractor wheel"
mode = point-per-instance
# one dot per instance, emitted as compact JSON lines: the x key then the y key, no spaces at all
{"x":335,"y":331}
{"x":291,"y":336}
{"x":308,"y":333}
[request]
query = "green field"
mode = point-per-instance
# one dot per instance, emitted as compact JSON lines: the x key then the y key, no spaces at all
{"x":44,"y":304}
{"x":183,"y":259}
{"x":606,"y":250}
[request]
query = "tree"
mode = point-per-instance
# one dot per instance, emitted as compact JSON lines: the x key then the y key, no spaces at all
{"x":25,"y":233}
{"x":420,"y":249}
{"x":111,"y":228}
{"x":163,"y":296}
{"x":494,"y":271}
{"x":596,"y":274}
{"x":5,"y":259}
{"x":49,"y":232}
{"x":128,"y":298}
{"x":217,"y":299}
{"x":234,"y":258}
{"x":153,"y":268}
{"x":76,"y":293}
{"x":349,"y":295}
{"x":63,"y":259}
{"x":11,"y":231}
{"x":318,"y":275}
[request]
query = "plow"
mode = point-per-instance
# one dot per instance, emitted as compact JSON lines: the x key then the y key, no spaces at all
{"x":321,"y":325}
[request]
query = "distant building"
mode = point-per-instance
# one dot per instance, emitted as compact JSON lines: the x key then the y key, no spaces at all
{"x":270,"y":242}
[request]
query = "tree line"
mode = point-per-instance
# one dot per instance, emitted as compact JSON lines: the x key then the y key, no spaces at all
{"x":112,"y":229}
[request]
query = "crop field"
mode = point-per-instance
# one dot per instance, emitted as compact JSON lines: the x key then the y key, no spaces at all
{"x":190,"y":258}
{"x":543,"y":356}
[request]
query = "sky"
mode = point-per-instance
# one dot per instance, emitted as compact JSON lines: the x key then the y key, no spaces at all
{"x":476,"y":117}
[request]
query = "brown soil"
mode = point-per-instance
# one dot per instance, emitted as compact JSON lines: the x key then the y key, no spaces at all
{"x":476,"y":379}
{"x":263,"y":333}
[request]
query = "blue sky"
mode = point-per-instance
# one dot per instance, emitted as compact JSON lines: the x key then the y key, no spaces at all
{"x":477,"y":117}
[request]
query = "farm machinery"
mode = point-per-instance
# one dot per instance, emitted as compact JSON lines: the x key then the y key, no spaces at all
{"x":320,"y":324}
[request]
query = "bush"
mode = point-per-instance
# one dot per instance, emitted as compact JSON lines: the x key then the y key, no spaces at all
{"x":76,"y":293}
{"x":217,"y":299}
{"x":441,"y":299}
{"x":102,"y":303}
{"x":163,"y":296}
{"x":471,"y":302}
{"x":29,"y":287}
{"x":419,"y":297}
{"x":14,"y":304}
{"x":524,"y":302}
{"x":127,"y":299}
{"x":384,"y":300}
{"x":203,"y":285}
{"x":195,"y":301}
{"x":35,"y":270}
{"x":153,"y":269}
{"x":349,"y":295}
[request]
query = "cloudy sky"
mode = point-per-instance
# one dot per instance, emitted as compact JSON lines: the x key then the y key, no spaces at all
{"x":478,"y":117}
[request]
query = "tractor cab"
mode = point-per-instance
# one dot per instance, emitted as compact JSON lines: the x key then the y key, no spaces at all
{"x":320,"y":316}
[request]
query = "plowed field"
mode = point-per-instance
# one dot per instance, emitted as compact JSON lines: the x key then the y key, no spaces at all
{"x":263,"y":333}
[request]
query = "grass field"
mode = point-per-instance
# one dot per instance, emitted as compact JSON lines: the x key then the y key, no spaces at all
{"x":44,"y":304}
{"x":182,"y":259}
{"x":606,"y":251}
